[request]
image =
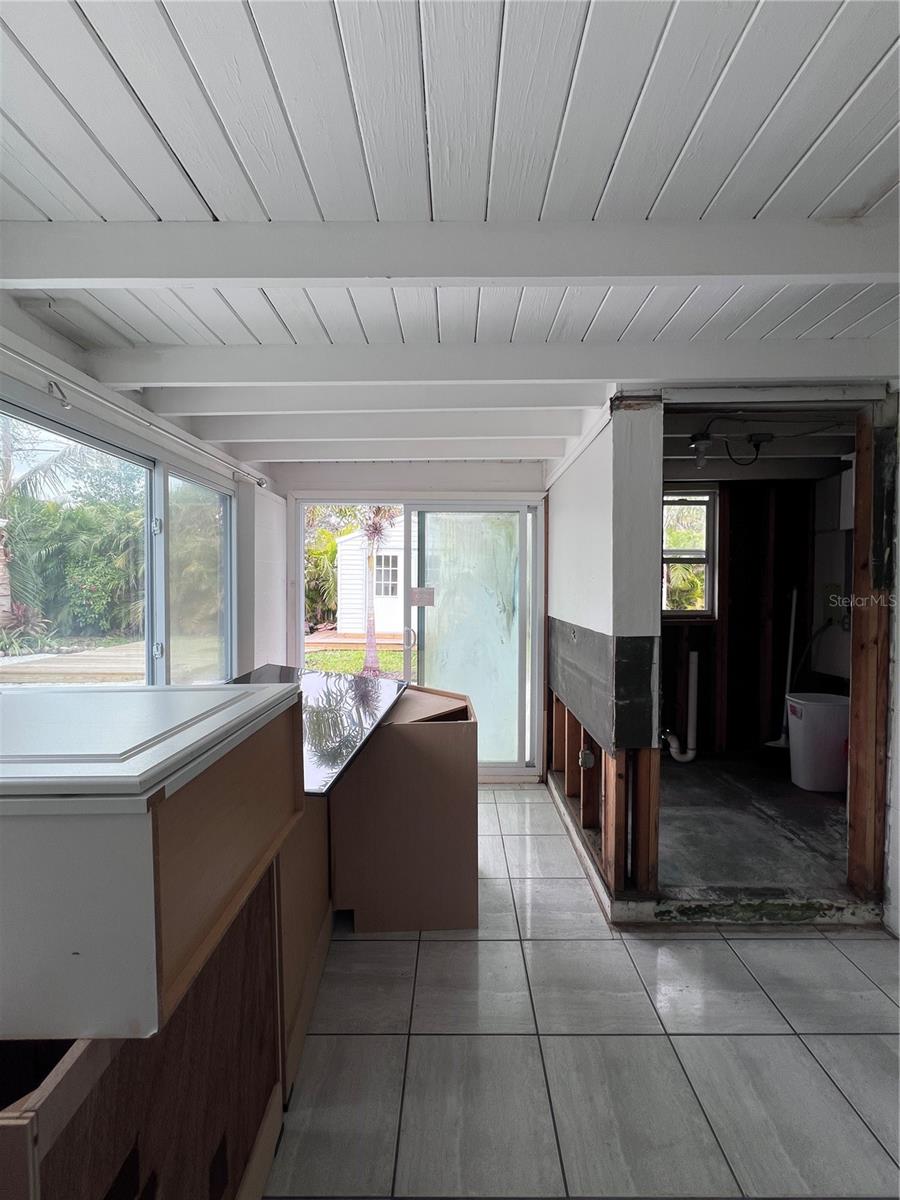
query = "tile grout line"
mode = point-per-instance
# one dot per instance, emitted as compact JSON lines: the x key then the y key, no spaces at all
{"x":687,"y":1077}
{"x":874,"y":982}
{"x":837,"y":1086}
{"x":763,"y":989}
{"x":412,"y":1003}
{"x":537,"y":1034}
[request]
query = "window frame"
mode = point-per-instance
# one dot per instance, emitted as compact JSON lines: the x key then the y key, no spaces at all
{"x":708,"y":495}
{"x":387,"y":570}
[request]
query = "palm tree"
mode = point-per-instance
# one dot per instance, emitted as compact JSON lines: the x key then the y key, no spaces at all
{"x":374,"y":520}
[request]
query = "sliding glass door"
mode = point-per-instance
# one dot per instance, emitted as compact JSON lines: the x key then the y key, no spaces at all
{"x":469,"y":611}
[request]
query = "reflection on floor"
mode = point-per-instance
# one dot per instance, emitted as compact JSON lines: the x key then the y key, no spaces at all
{"x":741,"y":824}
{"x":546,"y":1054}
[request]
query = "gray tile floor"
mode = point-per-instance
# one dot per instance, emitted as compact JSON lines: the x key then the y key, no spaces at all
{"x":546,"y":1054}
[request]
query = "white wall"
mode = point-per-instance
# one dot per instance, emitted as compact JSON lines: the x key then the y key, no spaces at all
{"x":605,"y":514}
{"x":351,"y":570}
{"x":270,"y":579}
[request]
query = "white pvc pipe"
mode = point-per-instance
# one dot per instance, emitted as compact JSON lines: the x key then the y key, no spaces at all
{"x":675,"y":750}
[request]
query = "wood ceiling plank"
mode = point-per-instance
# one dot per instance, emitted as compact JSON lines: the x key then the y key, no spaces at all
{"x":340,"y":318}
{"x":618,"y":46}
{"x":497,"y":308}
{"x":37,"y":110}
{"x":223,"y":46}
{"x":96,"y":305}
{"x":661,"y":306}
{"x":67,"y":50}
{"x":304,"y":48}
{"x":461,"y":43}
{"x":457,"y":313}
{"x":131,"y":309}
{"x":782,"y":305}
{"x":575,"y":314}
{"x":853,"y":45}
{"x":888,"y":206}
{"x":540,"y":43}
{"x":377,"y":311}
{"x":824,"y":305}
{"x":875,"y":323}
{"x":384,"y":58}
{"x":35,"y":177}
{"x":146,"y":49}
{"x":417,"y":307}
{"x":294,"y":307}
{"x":774,"y":45}
{"x":537,"y":313}
{"x":617,"y":309}
{"x":254,"y":308}
{"x":861,"y":124}
{"x":209,"y":307}
{"x":868,"y":301}
{"x":724,"y":312}
{"x":16,"y":207}
{"x":164,"y":304}
{"x":873,"y":178}
{"x":695,"y":47}
{"x":96,"y":327}
{"x":889,"y":331}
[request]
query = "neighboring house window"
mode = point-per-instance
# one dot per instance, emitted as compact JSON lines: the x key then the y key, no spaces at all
{"x":688,"y":558}
{"x":386,"y":574}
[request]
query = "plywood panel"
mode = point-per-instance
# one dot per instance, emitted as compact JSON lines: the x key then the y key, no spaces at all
{"x":576,"y":312}
{"x":536,"y":314}
{"x":457,"y":313}
{"x":31,"y":103}
{"x":460,"y":45}
{"x":141,"y":40}
{"x":294,"y":307}
{"x":214,"y":836}
{"x":619,"y":42}
{"x":221,"y":42}
{"x":865,"y":119}
{"x":377,"y":311}
{"x":617,"y":309}
{"x":497,"y":308}
{"x":768,"y":54}
{"x":417,"y":307}
{"x":703,"y":35}
{"x":381,"y":43}
{"x":338,"y":314}
{"x":255,"y":310}
{"x":68,"y":52}
{"x":537,"y":60}
{"x":304,"y":48}
{"x":850,"y":49}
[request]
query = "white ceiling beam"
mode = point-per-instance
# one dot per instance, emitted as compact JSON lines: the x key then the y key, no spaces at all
{"x":257,"y":366}
{"x":391,"y":426}
{"x":679,"y":471}
{"x":76,"y":254}
{"x":415,"y":450}
{"x":842,"y":395}
{"x":375,"y":397}
{"x":739,"y":422}
{"x":779,"y":447}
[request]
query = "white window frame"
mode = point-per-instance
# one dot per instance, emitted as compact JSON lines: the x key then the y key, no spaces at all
{"x":694,"y":495}
{"x":387,"y":574}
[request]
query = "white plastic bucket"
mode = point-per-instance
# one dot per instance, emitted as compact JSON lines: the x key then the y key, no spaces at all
{"x":818,"y":726}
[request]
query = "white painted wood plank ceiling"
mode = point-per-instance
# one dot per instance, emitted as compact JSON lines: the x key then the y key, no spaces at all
{"x":674,"y":116}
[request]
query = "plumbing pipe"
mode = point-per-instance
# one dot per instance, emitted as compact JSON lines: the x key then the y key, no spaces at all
{"x":688,"y":755}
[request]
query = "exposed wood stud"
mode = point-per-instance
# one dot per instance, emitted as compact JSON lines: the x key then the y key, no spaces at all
{"x":645,"y":824}
{"x":573,"y":746}
{"x":614,"y":820}
{"x":558,"y":758}
{"x":591,"y":783}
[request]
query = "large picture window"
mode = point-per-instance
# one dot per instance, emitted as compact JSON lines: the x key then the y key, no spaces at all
{"x":688,"y":560}
{"x":73,"y":555}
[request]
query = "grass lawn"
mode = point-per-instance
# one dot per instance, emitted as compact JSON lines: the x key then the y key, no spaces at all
{"x":350,"y":662}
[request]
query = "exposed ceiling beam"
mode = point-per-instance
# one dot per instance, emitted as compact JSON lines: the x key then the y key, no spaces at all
{"x":680,"y":424}
{"x":375,"y":397}
{"x":848,"y":395}
{"x":71,"y":254}
{"x":391,"y":426}
{"x":772,"y":468}
{"x":242,"y":366}
{"x":779,"y":447}
{"x":399,"y":451}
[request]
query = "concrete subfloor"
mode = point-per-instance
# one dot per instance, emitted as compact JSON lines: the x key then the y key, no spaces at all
{"x":739,"y":825}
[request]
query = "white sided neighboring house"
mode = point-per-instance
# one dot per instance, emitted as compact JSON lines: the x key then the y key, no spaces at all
{"x":351,"y":581}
